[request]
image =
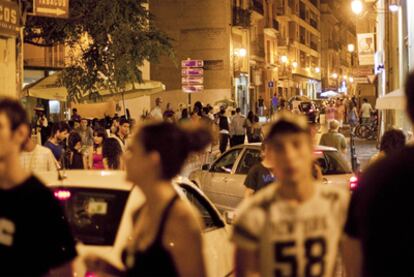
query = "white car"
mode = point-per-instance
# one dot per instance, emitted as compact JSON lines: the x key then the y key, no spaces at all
{"x":99,"y":206}
{"x":223,"y":180}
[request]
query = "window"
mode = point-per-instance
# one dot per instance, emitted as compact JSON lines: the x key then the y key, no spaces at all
{"x":249,"y":159}
{"x":332,"y":162}
{"x":208,"y":214}
{"x":94,"y":214}
{"x":225,"y":163}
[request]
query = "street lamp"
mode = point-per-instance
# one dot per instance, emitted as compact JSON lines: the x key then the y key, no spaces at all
{"x":351,"y":80}
{"x":335,"y":75}
{"x":284,"y":59}
{"x":295,"y":64}
{"x":317,"y":69}
{"x":357,"y":6}
{"x":351,"y":48}
{"x":394,"y":7}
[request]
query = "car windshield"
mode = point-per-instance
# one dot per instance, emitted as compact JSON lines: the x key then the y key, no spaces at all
{"x":306,"y":106}
{"x":94,"y":214}
{"x":332,"y":162}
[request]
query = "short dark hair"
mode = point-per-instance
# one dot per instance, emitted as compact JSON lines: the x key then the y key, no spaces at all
{"x":75,"y":110}
{"x":73,"y":139}
{"x":288,"y":123}
{"x":365,"y":100}
{"x":181,"y":143}
{"x":238,"y":110}
{"x":123,"y":121}
{"x":409,"y":92}
{"x":392,"y":140}
{"x":60,"y":126}
{"x":14,"y":111}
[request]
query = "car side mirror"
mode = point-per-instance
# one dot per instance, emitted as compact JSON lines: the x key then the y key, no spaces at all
{"x":205,"y":167}
{"x":229,"y":216}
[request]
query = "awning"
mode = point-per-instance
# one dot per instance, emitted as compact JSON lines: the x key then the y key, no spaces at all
{"x":394,"y":100}
{"x":47,"y":88}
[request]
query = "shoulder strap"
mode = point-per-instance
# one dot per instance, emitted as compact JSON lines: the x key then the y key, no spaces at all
{"x":164,"y":217}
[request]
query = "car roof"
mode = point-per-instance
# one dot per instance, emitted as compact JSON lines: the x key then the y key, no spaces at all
{"x":113,"y":179}
{"x":317,"y":147}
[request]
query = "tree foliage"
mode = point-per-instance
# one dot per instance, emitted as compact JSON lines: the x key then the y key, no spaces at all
{"x":109,"y":41}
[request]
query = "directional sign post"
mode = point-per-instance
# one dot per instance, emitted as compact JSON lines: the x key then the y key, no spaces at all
{"x":51,"y":8}
{"x":9,"y":18}
{"x":192,"y":77}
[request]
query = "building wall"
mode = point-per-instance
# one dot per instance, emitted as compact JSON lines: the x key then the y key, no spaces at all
{"x":200,"y":30}
{"x":8,"y":82}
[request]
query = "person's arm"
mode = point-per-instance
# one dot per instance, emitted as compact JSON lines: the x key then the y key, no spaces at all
{"x":352,"y":256}
{"x":248,"y":192}
{"x":182,"y":238}
{"x":246,"y":263}
{"x":105,"y":163}
{"x":343,"y":144}
{"x":89,"y":161}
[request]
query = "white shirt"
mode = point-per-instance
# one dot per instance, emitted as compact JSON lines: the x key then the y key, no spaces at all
{"x":366,"y":109}
{"x":40,"y":159}
{"x":156,"y":113}
{"x":293,"y":239}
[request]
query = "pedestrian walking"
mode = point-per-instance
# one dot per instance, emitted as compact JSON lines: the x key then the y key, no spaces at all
{"x":259,"y":176}
{"x":237,"y":128}
{"x":333,"y":138}
{"x":257,"y":134}
{"x":96,"y":154}
{"x":261,"y":106}
{"x":184,"y":116}
{"x":169,"y":114}
{"x":37,"y":158}
{"x":366,"y":111}
{"x":75,"y":156}
{"x":224,"y":130}
{"x":275,"y":103}
{"x":353,"y":118}
{"x":42,"y":124}
{"x":156,"y":113}
{"x":112,"y":154}
{"x":167,"y":232}
{"x":86,"y":134}
{"x":60,"y":132}
{"x":340,"y":112}
{"x":379,"y":219}
{"x":122,"y":133}
{"x":292,"y":227}
{"x":248,"y":125}
{"x":330,"y":112}
{"x":75,"y":116}
{"x":35,"y":238}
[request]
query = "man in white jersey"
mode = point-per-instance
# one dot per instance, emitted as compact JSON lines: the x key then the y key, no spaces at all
{"x":292,"y":227}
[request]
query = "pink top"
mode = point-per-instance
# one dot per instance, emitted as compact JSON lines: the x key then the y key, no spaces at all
{"x":97,"y":161}
{"x":330,"y":113}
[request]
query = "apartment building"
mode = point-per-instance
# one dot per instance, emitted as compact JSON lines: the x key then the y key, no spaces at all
{"x":338,"y":59}
{"x":299,"y":47}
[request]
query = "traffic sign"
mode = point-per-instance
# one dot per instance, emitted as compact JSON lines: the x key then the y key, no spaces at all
{"x":192,"y":80}
{"x":192,"y":71}
{"x":51,"y":8}
{"x":193,"y":88}
{"x":9,"y":18}
{"x":192,"y":63}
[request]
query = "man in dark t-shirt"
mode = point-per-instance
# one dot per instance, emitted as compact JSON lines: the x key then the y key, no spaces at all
{"x":35,"y":238}
{"x":380,"y":215}
{"x":259,"y":175}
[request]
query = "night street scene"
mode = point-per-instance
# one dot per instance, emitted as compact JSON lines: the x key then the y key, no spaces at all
{"x":206,"y":138}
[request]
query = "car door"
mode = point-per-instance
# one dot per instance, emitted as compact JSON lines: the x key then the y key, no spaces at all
{"x":335,"y":169}
{"x":235,"y":184}
{"x":214,"y":183}
{"x":218,"y":249}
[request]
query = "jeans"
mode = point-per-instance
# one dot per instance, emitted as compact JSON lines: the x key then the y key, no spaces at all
{"x":237,"y":140}
{"x":224,"y":140}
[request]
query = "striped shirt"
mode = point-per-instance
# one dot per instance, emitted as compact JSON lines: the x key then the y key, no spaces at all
{"x":40,"y":159}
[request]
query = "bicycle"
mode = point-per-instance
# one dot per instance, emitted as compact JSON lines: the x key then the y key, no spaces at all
{"x":367,"y":130}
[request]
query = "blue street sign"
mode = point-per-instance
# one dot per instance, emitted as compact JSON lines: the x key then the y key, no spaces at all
{"x":270,"y":84}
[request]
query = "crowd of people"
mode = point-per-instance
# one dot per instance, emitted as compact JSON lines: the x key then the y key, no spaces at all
{"x":295,"y":226}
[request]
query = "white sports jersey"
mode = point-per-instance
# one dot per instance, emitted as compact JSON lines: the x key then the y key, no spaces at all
{"x":293,"y":239}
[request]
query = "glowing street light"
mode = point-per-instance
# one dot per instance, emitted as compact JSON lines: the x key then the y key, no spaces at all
{"x":351,"y":79}
{"x":317,"y":69}
{"x":335,"y":75}
{"x":357,"y":6}
{"x":295,"y":64}
{"x":242,"y":52}
{"x":345,"y":77}
{"x":284,"y":59}
{"x":351,"y":48}
{"x":394,"y":7}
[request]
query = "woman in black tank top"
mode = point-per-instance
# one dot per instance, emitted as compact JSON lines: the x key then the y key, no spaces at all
{"x":167,"y":235}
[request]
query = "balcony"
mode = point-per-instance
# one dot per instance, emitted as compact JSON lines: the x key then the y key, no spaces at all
{"x":314,"y":23}
{"x":302,"y":40}
{"x":314,"y":46}
{"x":272,"y":24}
{"x":241,"y":17}
{"x":314,"y":2}
{"x":257,"y":6}
{"x":282,"y":42}
{"x":333,"y":45}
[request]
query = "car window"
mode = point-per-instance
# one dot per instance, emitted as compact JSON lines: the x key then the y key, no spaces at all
{"x":226,"y":162}
{"x":249,"y":159}
{"x":210,"y":217}
{"x":332,"y":162}
{"x":93,"y":214}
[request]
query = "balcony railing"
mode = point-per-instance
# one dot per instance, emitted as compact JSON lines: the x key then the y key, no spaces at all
{"x":257,"y":6}
{"x":314,"y":23}
{"x":241,"y":17}
{"x":43,"y":62}
{"x":274,"y":24}
{"x":314,"y":46}
{"x":282,"y":42}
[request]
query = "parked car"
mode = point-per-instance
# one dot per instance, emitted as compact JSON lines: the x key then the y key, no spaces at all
{"x":223,"y":180}
{"x":99,"y":206}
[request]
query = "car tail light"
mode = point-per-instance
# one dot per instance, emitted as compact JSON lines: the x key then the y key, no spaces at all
{"x":90,"y":274}
{"x":62,"y":194}
{"x":353,"y":182}
{"x":311,"y":110}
